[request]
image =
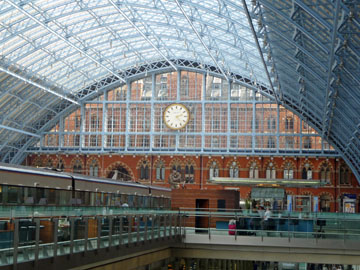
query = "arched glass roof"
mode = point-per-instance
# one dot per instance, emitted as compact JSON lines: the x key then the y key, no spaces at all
{"x":54,"y":55}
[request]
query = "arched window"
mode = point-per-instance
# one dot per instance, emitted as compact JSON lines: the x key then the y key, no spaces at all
{"x":94,"y":168}
{"x":254,"y":170}
{"x":160,"y":171}
{"x":325,"y":173}
{"x":233,"y":170}
{"x":189,"y":173}
{"x":49,"y":163}
{"x":77,"y":167}
{"x":288,"y":171}
{"x":306,"y":172}
{"x":144,"y":170}
{"x":344,"y":175}
{"x":120,"y":173}
{"x":270,"y":171}
{"x":214,"y":170}
{"x":60,"y":165}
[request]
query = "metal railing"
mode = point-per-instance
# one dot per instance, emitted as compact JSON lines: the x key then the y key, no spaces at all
{"x":280,"y":224}
{"x":34,"y":239}
{"x":26,"y":236}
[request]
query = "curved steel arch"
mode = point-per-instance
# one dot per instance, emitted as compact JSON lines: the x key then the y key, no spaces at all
{"x":312,"y":53}
{"x":49,"y":121}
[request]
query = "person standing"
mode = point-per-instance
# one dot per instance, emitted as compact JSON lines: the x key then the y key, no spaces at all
{"x":267,"y":217}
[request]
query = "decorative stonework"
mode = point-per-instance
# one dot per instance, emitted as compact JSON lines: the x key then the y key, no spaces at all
{"x":325,"y":164}
{"x":306,"y":193}
{"x":175,"y":177}
{"x":49,"y":162}
{"x":60,"y":163}
{"x":37,"y":162}
{"x":288,"y":164}
{"x":231,"y":162}
{"x":304,"y":162}
{"x":251,"y":162}
{"x":143,"y":168}
{"x":326,"y":194}
{"x":117,"y":164}
{"x":271,"y":164}
{"x":90,"y":162}
{"x":176,"y":162}
{"x":76,"y":161}
{"x":211,"y":163}
{"x":142,"y":162}
{"x":190,"y":162}
{"x":158,"y":161}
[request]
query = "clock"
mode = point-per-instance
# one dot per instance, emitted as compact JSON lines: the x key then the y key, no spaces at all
{"x":176,"y":116}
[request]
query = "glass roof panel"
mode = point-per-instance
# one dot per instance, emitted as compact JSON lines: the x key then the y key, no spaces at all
{"x":65,"y":45}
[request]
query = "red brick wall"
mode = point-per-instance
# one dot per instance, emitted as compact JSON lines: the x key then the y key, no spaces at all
{"x":201,"y":166}
{"x":187,"y":198}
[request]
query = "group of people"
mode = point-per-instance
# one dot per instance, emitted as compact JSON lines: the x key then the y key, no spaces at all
{"x":260,"y":222}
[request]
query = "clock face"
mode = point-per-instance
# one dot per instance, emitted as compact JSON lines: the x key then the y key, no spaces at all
{"x":176,"y":116}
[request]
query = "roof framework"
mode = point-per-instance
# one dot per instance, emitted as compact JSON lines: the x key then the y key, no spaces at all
{"x":54,"y":55}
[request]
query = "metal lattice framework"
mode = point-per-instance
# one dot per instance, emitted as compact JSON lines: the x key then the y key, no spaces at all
{"x":56,"y":55}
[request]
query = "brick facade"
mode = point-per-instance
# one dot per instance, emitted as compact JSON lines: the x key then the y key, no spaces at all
{"x":201,"y":166}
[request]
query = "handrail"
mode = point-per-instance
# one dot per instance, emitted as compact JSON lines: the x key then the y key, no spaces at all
{"x":126,"y":228}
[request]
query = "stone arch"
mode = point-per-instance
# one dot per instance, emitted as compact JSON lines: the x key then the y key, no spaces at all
{"x":127,"y":176}
{"x":230,"y":162}
{"x":251,"y":161}
{"x":326,"y":171}
{"x":344,"y":174}
{"x":77,"y":165}
{"x":288,"y":169}
{"x":213,"y":167}
{"x":176,"y":162}
{"x":270,"y":168}
{"x":271,"y":163}
{"x":189,"y":170}
{"x":233,"y":168}
{"x":90,"y":168}
{"x":306,"y":193}
{"x":143,"y":168}
{"x":211,"y":162}
{"x":306,"y":169}
{"x":159,"y":167}
{"x":325,"y":162}
{"x":37,"y":162}
{"x":325,"y":193}
{"x":157,"y":161}
{"x":49,"y":162}
{"x":254,"y":168}
{"x":60,"y":163}
{"x":304,"y":162}
{"x":190,"y":161}
{"x":288,"y":162}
